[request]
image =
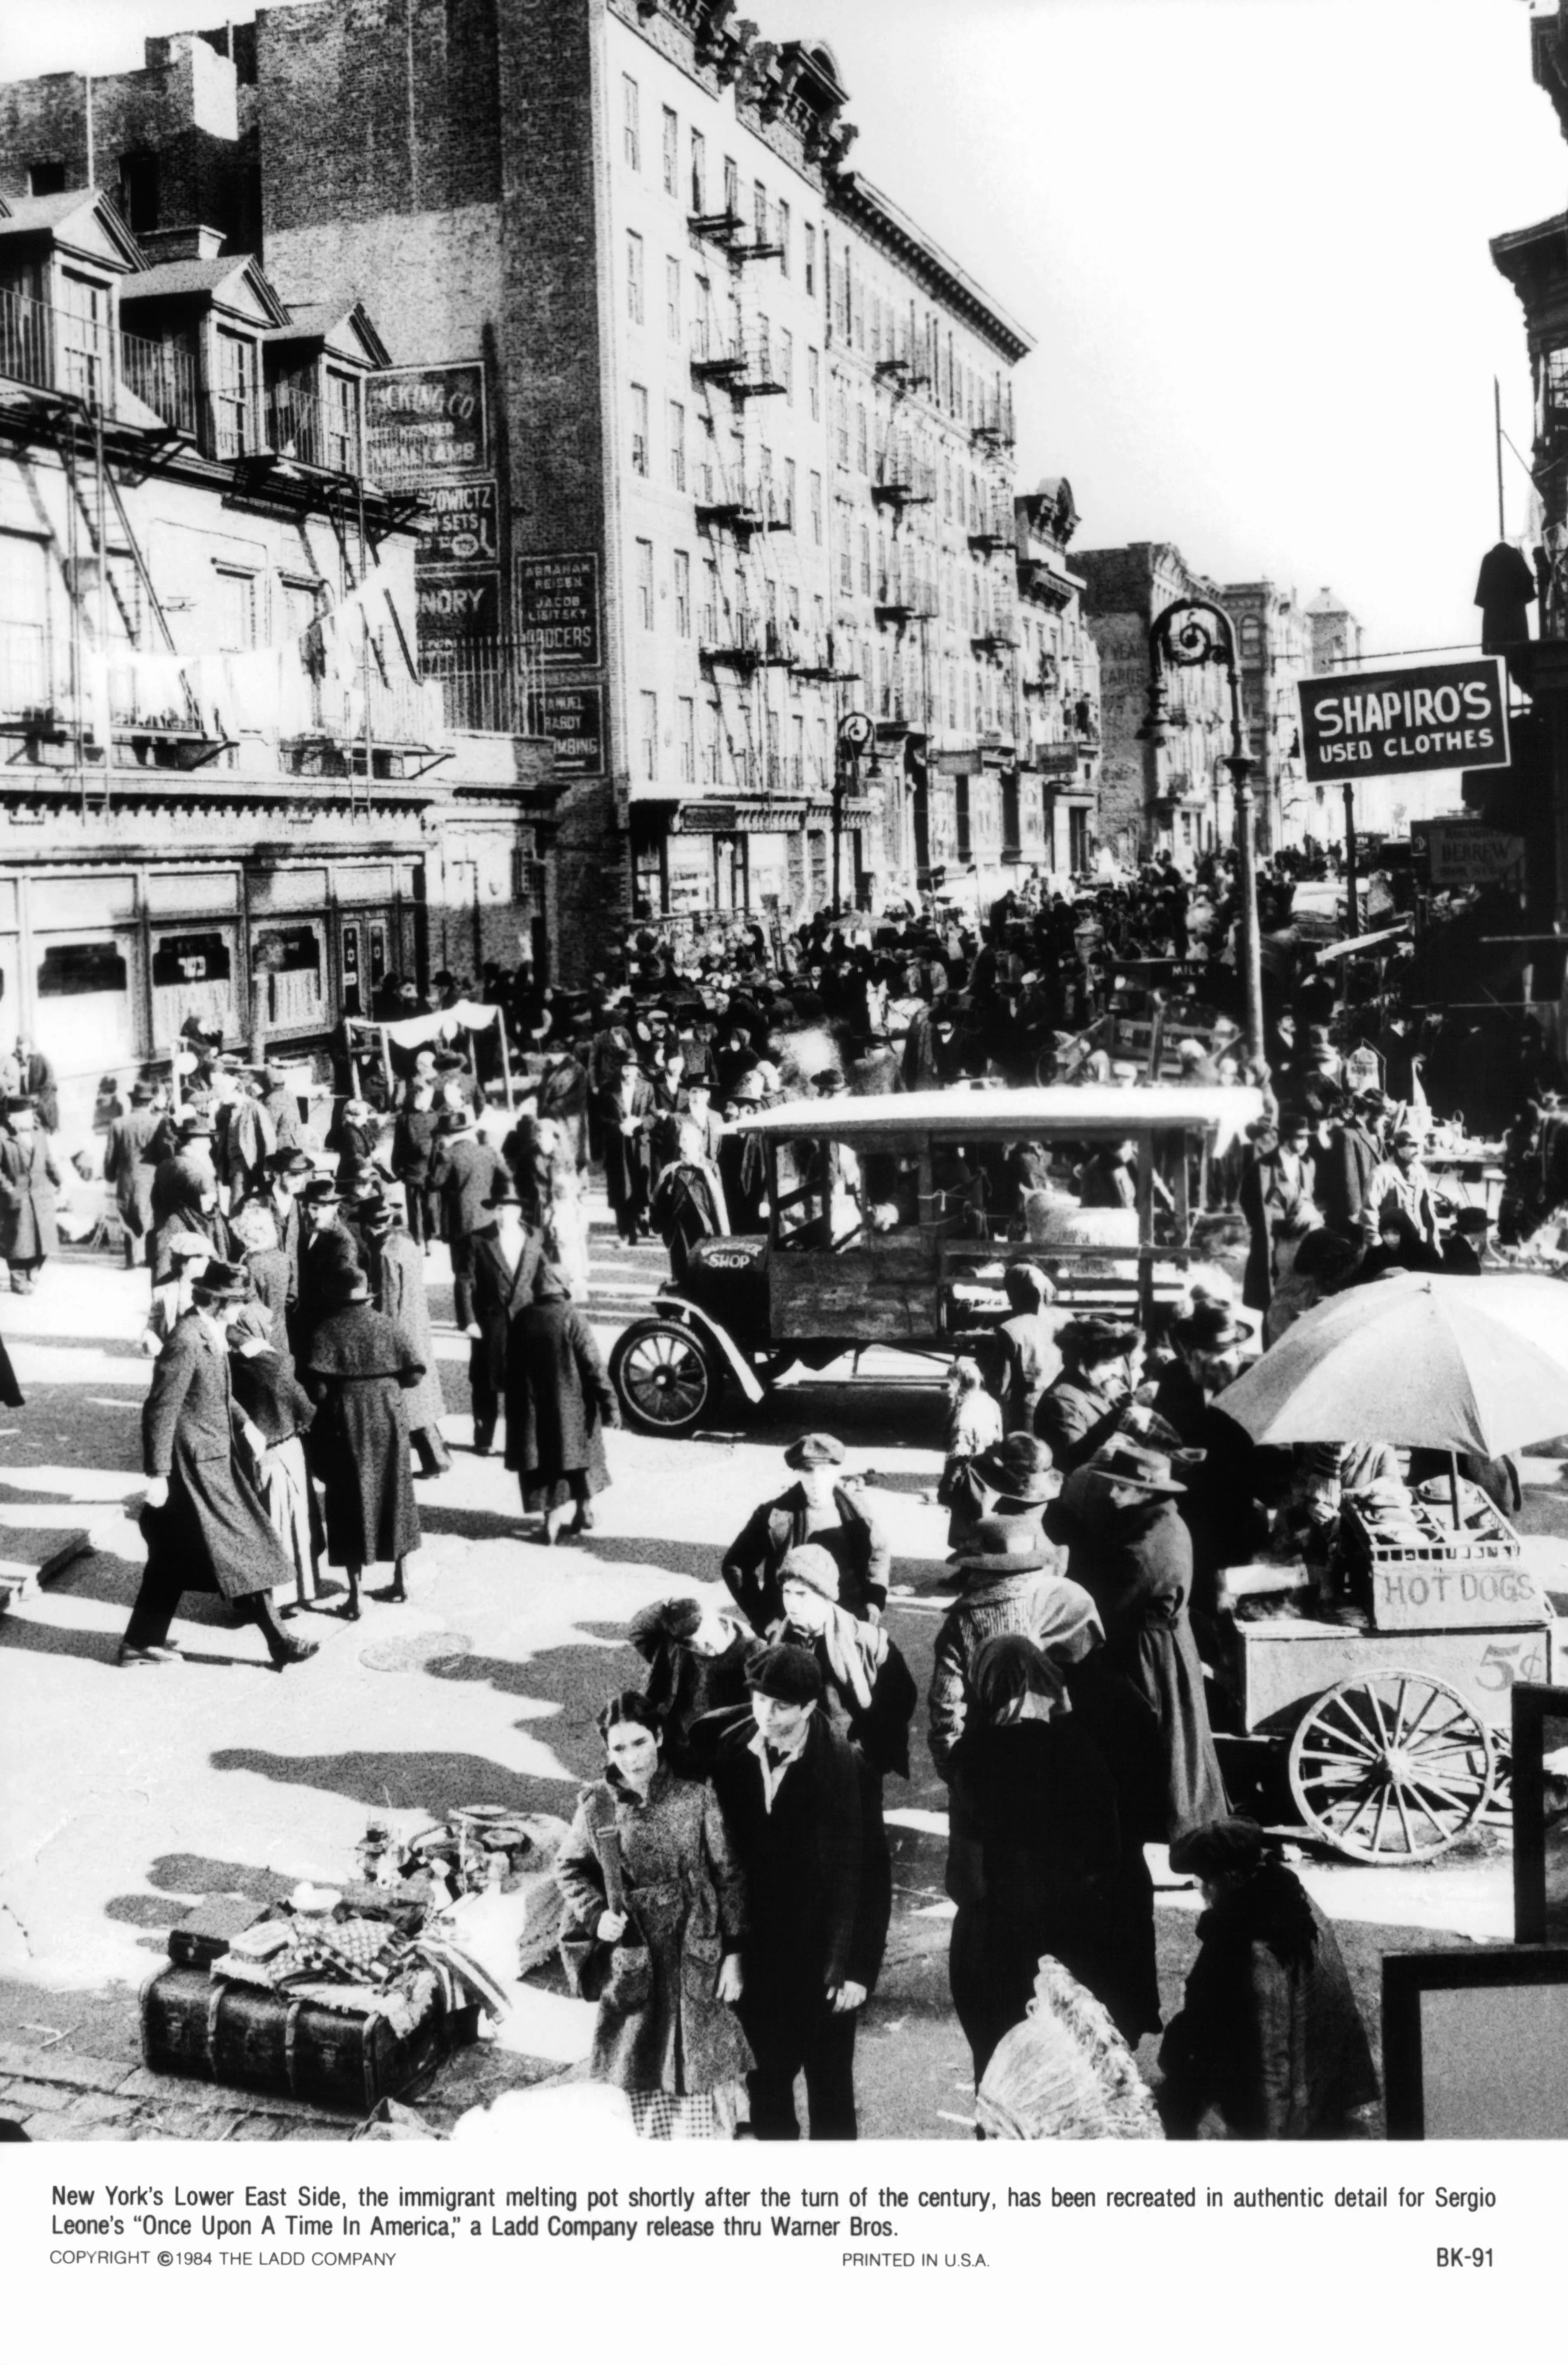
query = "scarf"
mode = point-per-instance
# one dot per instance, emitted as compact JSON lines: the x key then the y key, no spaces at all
{"x":855,"y":1653}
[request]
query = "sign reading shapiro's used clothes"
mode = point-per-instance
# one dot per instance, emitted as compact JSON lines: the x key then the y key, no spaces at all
{"x":426,"y":424}
{"x":558,"y":609}
{"x":1441,"y":718}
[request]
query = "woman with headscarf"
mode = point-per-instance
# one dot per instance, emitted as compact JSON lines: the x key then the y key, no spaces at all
{"x":1060,"y":1876}
{"x":267,"y":1393}
{"x":1269,"y":2036}
{"x":1129,"y":1549}
{"x":559,"y":1403}
{"x":649,"y":1873}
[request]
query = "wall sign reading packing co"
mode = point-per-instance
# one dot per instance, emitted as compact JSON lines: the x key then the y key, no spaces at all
{"x":1441,"y":718}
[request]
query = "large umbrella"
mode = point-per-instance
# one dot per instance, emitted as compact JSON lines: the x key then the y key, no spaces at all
{"x":1475,"y":1364}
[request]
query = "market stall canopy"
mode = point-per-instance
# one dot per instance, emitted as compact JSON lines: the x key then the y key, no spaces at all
{"x":1359,"y":944}
{"x":1470,"y":1366}
{"x":1071,"y":1112}
{"x":440,"y":1026}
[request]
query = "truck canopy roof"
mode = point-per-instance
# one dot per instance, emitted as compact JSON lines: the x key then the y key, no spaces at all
{"x":1075,"y":1112}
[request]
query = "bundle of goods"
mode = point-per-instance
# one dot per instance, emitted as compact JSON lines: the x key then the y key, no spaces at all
{"x":343,"y":1997}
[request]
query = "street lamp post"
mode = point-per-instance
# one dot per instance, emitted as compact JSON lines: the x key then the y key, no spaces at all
{"x":1197,"y":633}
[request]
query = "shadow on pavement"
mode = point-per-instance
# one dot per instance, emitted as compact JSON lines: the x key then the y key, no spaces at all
{"x":434,"y":1780}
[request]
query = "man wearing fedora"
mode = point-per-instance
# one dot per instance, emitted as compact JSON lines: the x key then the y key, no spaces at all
{"x":1354,"y":1155}
{"x":462,"y":1172}
{"x":396,"y":1273}
{"x":791,"y":1792}
{"x":129,"y":1171}
{"x":508,"y":1254}
{"x":206,"y":1526}
{"x":1130,"y":1550}
{"x":327,"y":1248}
{"x":818,"y":1508}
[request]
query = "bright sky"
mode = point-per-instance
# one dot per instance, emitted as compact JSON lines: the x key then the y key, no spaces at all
{"x":1249,"y":235}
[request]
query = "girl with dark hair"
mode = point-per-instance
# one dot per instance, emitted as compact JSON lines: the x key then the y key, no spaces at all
{"x":649,"y":1872}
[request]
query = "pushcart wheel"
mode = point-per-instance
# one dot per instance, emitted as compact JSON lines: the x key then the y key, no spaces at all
{"x":1392,"y":1768}
{"x":1500,"y":1800}
{"x":665,"y":1378}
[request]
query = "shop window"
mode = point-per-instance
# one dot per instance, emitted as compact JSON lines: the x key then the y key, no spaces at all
{"x":193,"y":977}
{"x":82,"y":968}
{"x":290,"y":977}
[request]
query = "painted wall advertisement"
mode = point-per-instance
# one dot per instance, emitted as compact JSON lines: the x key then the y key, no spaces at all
{"x":1439,"y":718}
{"x":574,"y":720}
{"x":558,"y":609}
{"x":426,"y":423}
{"x":458,"y":527}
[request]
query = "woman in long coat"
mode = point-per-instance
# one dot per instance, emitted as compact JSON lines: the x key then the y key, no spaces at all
{"x":358,"y":1368}
{"x":660,"y":1845}
{"x":206,"y":1525}
{"x":559,"y":1404}
{"x":29,"y":1181}
{"x":1061,"y":1876}
{"x":397,"y":1289}
{"x":266,"y":1391}
{"x":1129,"y":1548}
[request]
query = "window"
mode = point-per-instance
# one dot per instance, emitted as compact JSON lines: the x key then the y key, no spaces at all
{"x":790,"y":495}
{"x":710,"y":620}
{"x":698,"y":172}
{"x":139,"y":190}
{"x":686,"y":738}
{"x":731,"y":188}
{"x":645,"y":586}
{"x":342,"y":422}
{"x":866,"y":561}
{"x":46,"y":179}
{"x":809,"y":238}
{"x":786,"y":363}
{"x":846,"y":566}
{"x":759,"y":222}
{"x":84,"y":341}
{"x":713,"y":761}
{"x":631,"y":132}
{"x":952,"y":697}
{"x":678,"y":446}
{"x":862,"y":446}
{"x":683,"y":594}
{"x":25,"y":674}
{"x":816,"y":508}
{"x":634,"y":277}
{"x":814,"y":380}
{"x":765,"y":468}
{"x":671,"y":151}
{"x":781,"y":236}
{"x":797,"y":751}
{"x":234,"y":605}
{"x":640,"y":430}
{"x":648,"y":733}
{"x":672,"y":299}
{"x":841,"y":424}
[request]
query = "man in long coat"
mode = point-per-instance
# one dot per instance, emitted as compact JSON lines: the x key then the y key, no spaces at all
{"x":396,"y":1272}
{"x":817,"y":1509}
{"x":559,"y":1403}
{"x":791,"y":1792}
{"x":28,"y":1182}
{"x":206,"y":1526}
{"x":627,"y":1117}
{"x":507,"y":1257}
{"x":128,"y":1170}
{"x":289,"y":1174}
{"x":463,"y":1173}
{"x":358,"y":1367}
{"x":36,"y":1082}
{"x":327,"y":1249}
{"x":414,"y":1138}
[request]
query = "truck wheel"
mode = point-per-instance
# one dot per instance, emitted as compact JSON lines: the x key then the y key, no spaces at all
{"x":666,"y":1378}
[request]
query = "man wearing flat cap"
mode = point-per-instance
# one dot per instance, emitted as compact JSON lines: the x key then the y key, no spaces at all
{"x":792,"y":1790}
{"x":819,"y":1508}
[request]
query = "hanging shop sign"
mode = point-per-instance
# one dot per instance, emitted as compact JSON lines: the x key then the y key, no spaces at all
{"x":1441,"y":718}
{"x":1468,"y":854}
{"x":573,"y":721}
{"x":425,"y":424}
{"x":558,"y":609}
{"x":459,"y":527}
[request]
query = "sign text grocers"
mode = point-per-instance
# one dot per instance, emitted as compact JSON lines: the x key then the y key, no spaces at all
{"x":1436,"y":718}
{"x":426,"y":424}
{"x":558,"y":609}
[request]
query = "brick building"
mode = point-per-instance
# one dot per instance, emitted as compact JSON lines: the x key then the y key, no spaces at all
{"x":1274,"y":642}
{"x":225,"y":792}
{"x":713,"y":442}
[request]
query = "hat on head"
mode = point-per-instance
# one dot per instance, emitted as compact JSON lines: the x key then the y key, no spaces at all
{"x":1233,"y":1843}
{"x":1093,"y":1335}
{"x":781,"y":1672}
{"x":1472,"y":1222}
{"x":347,"y":1285}
{"x":229,"y":1283}
{"x":812,"y":1565}
{"x":141,"y":1092}
{"x":289,"y":1161}
{"x":188,"y":1244}
{"x":1126,"y":1465}
{"x":749,"y":1087}
{"x":1209,"y":1329}
{"x":321,"y":1193}
{"x":503,"y":1192}
{"x":376,"y":1215}
{"x":1406,"y":1133}
{"x":814,"y":1452}
{"x":1003,"y":1546}
{"x":195,"y":1125}
{"x":1021,"y":1467}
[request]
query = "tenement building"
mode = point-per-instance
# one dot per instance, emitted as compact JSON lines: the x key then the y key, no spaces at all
{"x":227,"y":794}
{"x":707,"y":444}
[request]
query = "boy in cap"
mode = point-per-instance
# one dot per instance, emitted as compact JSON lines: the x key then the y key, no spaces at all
{"x":791,"y":1791}
{"x":817,"y":1508}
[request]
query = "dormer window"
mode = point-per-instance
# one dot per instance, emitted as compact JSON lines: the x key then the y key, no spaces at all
{"x":83,"y":329}
{"x":236,"y":396}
